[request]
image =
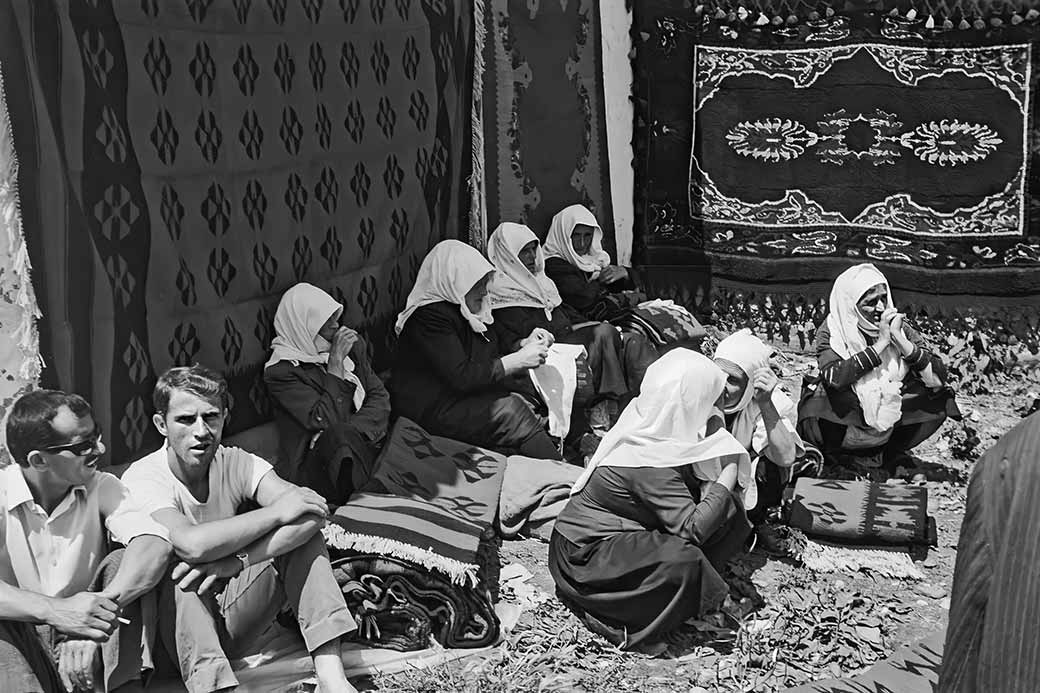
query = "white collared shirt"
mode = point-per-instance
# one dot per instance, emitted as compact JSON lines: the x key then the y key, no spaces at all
{"x":58,"y":554}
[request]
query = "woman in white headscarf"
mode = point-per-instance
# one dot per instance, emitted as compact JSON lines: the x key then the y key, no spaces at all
{"x":448,"y":374}
{"x":659,"y":508}
{"x":759,"y":415}
{"x":524,"y":299}
{"x":580,"y":268}
{"x":331,"y":408}
{"x":880,"y":391}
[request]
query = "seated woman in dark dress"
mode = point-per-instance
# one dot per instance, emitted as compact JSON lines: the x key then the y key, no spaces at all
{"x":658,"y":510}
{"x":880,"y":391}
{"x":448,"y":375}
{"x":330,"y":407}
{"x":523,"y":298}
{"x":579,"y":267}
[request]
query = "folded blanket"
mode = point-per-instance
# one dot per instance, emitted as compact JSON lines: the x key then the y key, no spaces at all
{"x":860,"y":511}
{"x":399,"y":606}
{"x":664,"y":323}
{"x":533,"y":494}
{"x":408,"y":528}
{"x":460,"y":478}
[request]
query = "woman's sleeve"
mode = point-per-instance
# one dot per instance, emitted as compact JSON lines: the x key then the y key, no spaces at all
{"x":438,"y":338}
{"x":666,"y":494}
{"x":923,"y":361}
{"x":373,"y":419}
{"x":839,"y":373}
{"x":575,"y":290}
{"x":313,"y":408}
{"x":509,"y":328}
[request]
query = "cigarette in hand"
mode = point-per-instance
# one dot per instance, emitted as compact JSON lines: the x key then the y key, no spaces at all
{"x":124,"y":621}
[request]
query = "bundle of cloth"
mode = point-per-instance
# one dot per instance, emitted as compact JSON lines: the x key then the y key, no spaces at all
{"x":400,"y":605}
{"x":408,"y":546}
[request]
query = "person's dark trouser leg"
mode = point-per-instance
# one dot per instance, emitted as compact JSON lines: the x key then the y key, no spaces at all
{"x":25,"y":663}
{"x":191,"y":633}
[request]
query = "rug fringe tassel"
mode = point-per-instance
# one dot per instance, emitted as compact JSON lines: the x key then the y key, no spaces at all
{"x":464,"y":574}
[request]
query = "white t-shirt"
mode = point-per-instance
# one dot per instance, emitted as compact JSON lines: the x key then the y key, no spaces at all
{"x":233,"y":478}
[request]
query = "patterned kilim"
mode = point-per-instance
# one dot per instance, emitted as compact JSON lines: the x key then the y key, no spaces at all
{"x":803,"y":146}
{"x":544,"y":128}
{"x":214,"y":152}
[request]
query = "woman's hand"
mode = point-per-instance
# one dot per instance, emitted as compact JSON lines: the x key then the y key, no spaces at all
{"x":884,"y":337}
{"x":728,"y":476}
{"x":342,"y":342}
{"x":899,"y":338}
{"x":532,"y":355}
{"x":539,"y":335}
{"x":613,"y":273}
{"x":764,"y":382}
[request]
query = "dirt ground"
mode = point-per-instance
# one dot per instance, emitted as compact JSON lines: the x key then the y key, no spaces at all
{"x":805,"y":626}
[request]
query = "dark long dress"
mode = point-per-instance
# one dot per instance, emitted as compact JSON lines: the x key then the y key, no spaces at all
{"x":601,"y":340}
{"x":581,"y":296}
{"x":449,"y":379}
{"x":636,"y":552}
{"x":992,"y":641}
{"x":829,"y":404}
{"x":310,"y":400}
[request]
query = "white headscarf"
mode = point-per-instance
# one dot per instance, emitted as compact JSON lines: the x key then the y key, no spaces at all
{"x":301,"y":313}
{"x":514,"y":284}
{"x":448,"y":272}
{"x":558,"y":243}
{"x":665,"y":425}
{"x":879,"y":391}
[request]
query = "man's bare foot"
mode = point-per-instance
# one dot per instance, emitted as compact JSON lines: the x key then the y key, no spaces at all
{"x":328,"y":666}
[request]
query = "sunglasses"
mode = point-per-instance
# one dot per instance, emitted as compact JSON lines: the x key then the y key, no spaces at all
{"x":80,"y":448}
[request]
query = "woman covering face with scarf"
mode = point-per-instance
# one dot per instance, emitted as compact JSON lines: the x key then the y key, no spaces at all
{"x":880,"y":391}
{"x":449,"y":374}
{"x":330,"y":407}
{"x":659,"y":508}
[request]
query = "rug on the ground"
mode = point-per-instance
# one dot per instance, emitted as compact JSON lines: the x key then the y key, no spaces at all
{"x":183,"y":163}
{"x":911,"y":669}
{"x":401,"y":606}
{"x":544,"y":131}
{"x":861,"y":512}
{"x":774,"y":149}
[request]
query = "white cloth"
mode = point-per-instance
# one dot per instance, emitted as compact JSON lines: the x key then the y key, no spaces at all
{"x":302,"y":312}
{"x":556,"y":381}
{"x":514,"y":284}
{"x":558,"y":243}
{"x":448,"y":272}
{"x":665,"y":425}
{"x":879,"y":391}
{"x":57,"y":555}
{"x":234,"y":476}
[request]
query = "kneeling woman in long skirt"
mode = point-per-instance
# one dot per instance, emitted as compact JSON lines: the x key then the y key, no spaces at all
{"x":658,"y":510}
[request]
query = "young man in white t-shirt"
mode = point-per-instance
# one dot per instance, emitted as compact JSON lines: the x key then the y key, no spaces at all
{"x":235,"y":571}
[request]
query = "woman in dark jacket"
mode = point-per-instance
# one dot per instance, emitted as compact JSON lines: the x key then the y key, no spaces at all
{"x":449,"y":375}
{"x":880,"y":391}
{"x":659,"y":509}
{"x":331,"y":408}
{"x":579,"y":267}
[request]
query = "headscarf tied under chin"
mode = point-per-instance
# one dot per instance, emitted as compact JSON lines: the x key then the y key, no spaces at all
{"x":665,"y":425}
{"x":514,"y":284}
{"x":301,"y":313}
{"x":879,"y":391}
{"x":450,"y":270}
{"x":742,"y":354}
{"x":559,"y":244}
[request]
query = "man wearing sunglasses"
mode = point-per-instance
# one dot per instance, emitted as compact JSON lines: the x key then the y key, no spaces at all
{"x":56,"y":568}
{"x":236,"y":568}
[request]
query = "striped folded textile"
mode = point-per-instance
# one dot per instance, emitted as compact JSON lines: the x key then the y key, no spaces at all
{"x":412,"y":529}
